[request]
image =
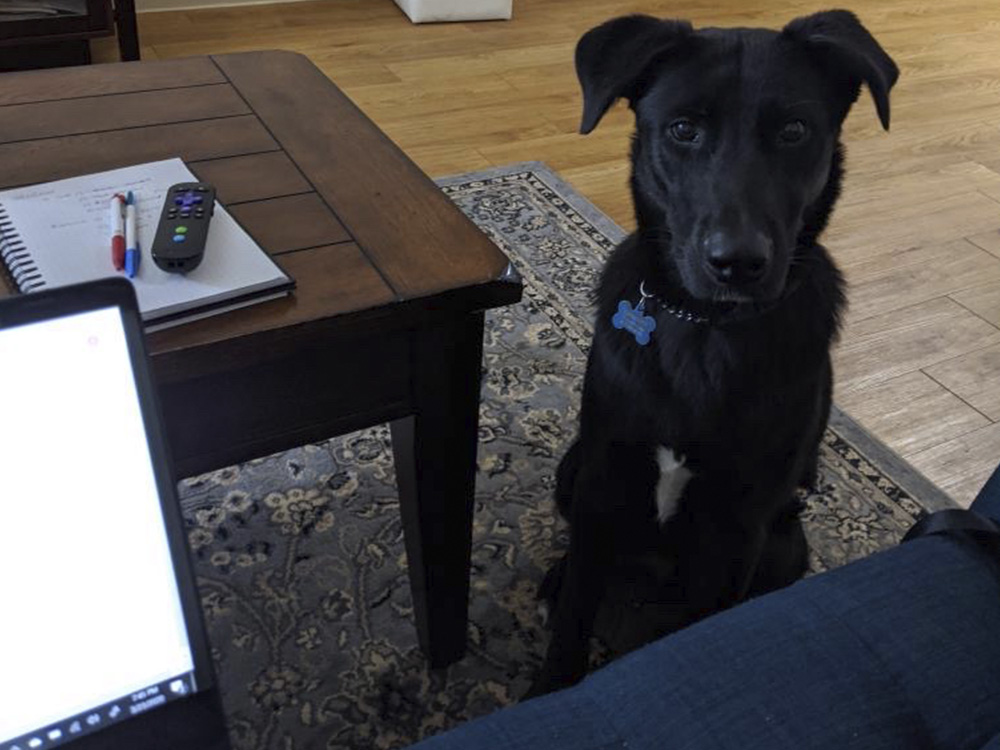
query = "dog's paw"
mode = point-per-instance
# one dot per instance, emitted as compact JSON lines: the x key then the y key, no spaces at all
{"x":549,"y":683}
{"x":810,"y":478}
{"x":556,"y":674}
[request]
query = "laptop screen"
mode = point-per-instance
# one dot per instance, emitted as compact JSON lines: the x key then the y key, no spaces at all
{"x":92,"y":629}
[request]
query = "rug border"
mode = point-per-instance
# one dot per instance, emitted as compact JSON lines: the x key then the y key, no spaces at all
{"x":546,"y":174}
{"x":917,"y":486}
{"x":921,"y":489}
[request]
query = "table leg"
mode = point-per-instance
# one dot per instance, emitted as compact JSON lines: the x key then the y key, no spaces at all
{"x":435,"y":456}
{"x":128,"y":32}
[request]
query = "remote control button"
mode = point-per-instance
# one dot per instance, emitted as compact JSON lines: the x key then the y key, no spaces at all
{"x":198,"y":199}
{"x":202,"y":189}
{"x":180,"y":230}
{"x":178,"y":201}
{"x":180,"y":237}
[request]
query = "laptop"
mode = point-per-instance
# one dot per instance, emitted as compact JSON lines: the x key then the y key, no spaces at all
{"x":102,"y":643}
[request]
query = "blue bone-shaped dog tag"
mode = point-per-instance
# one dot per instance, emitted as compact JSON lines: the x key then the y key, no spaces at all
{"x":634,"y":321}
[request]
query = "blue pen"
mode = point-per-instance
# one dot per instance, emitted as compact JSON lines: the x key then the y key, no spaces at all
{"x":131,"y":238}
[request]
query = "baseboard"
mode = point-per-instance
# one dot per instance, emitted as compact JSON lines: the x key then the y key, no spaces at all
{"x":154,"y":6}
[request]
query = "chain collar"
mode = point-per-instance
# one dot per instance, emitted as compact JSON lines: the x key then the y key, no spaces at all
{"x":738,"y":312}
{"x":676,"y":310}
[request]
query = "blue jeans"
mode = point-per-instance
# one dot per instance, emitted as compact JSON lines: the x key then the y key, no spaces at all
{"x":899,"y":651}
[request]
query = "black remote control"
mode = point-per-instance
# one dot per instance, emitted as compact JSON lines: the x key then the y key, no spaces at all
{"x":180,"y":239}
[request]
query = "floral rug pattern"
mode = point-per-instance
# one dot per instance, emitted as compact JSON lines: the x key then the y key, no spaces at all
{"x":300,"y":557}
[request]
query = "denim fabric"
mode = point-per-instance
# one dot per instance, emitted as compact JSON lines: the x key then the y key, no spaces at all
{"x":896,"y":651}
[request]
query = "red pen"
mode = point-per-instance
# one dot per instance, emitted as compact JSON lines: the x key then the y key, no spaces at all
{"x":118,"y":232}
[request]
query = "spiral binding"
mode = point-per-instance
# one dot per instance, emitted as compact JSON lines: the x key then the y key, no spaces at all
{"x":18,"y":261}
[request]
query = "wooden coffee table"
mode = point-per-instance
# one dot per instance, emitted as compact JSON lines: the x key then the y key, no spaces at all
{"x":385,"y":324}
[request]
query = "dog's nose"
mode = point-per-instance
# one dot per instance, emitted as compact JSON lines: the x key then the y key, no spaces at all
{"x":737,"y":260}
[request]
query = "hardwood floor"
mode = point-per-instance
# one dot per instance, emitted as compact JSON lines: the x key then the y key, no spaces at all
{"x":917,"y":230}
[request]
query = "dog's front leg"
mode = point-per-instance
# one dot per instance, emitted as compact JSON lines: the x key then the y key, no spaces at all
{"x":721,"y":550}
{"x":580,"y":591}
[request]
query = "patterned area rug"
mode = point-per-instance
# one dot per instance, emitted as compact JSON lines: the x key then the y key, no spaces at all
{"x":300,"y":555}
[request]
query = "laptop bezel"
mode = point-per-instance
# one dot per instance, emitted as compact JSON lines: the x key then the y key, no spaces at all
{"x":118,"y":293}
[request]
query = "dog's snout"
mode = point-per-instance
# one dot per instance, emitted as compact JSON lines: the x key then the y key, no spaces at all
{"x":737,"y":260}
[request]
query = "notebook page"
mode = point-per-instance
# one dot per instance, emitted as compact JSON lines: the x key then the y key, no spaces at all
{"x":65,"y":227}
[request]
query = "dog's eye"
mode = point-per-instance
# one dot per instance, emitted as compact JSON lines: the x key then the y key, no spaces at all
{"x":685,"y":131}
{"x":792,"y":131}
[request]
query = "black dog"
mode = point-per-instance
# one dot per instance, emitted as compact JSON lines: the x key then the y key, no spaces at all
{"x":708,"y":386}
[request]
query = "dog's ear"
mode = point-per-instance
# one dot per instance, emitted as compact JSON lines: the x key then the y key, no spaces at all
{"x":850,"y":53}
{"x":611,"y":59}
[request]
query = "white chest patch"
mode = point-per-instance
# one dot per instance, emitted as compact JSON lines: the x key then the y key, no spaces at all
{"x":673,"y":478}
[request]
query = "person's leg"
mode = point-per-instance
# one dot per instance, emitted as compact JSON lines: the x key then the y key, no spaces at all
{"x":897,"y":650}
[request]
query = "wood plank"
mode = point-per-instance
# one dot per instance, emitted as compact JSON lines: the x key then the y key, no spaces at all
{"x":544,"y":78}
{"x":983,"y":300}
{"x":988,"y":241}
{"x":254,"y":177}
{"x":961,"y":466}
{"x":854,"y":237}
{"x":902,"y":278}
{"x":899,"y":191}
{"x":495,"y":129}
{"x":95,"y":80}
{"x":54,"y":158}
{"x":912,"y":412}
{"x":973,"y":377}
{"x":607,"y":186}
{"x":411,"y":99}
{"x":281,"y":225}
{"x":456,"y":66}
{"x":445,"y":160}
{"x":391,"y":208}
{"x":346,"y":74}
{"x":923,"y":148}
{"x":911,"y":117}
{"x":115,"y":112}
{"x":307,"y":303}
{"x":992,"y":163}
{"x":879,"y":349}
{"x":567,"y":151}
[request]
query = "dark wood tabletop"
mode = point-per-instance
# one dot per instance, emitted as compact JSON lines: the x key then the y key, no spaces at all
{"x":343,"y":210}
{"x":385,"y":323}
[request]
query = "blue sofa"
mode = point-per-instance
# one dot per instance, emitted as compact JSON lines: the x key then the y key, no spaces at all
{"x":900,"y":650}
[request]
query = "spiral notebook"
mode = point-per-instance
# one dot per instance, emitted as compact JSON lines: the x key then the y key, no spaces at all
{"x":58,"y":233}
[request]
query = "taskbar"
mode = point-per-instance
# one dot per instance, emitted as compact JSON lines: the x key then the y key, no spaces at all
{"x":99,"y":717}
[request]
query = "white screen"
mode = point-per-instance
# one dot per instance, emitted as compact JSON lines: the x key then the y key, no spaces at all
{"x":89,"y":606}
